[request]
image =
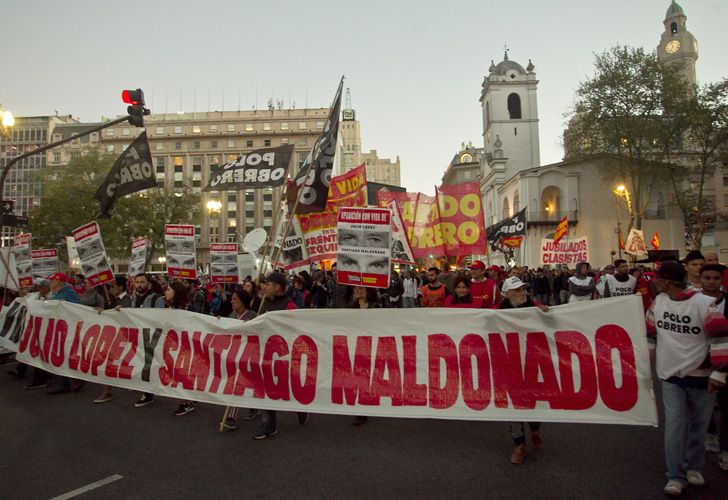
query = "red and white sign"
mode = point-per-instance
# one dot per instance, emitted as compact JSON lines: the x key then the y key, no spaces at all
{"x":179,"y":241}
{"x":565,"y":251}
{"x":583,"y":362}
{"x":23,"y":262}
{"x":364,"y":255}
{"x":224,"y":262}
{"x":401,"y":250}
{"x":92,"y":254}
{"x":44,"y":263}
{"x":138,"y":258}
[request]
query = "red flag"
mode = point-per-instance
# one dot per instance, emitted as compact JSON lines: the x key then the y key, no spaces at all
{"x":561,"y":230}
{"x":655,"y":242}
{"x":621,"y":239}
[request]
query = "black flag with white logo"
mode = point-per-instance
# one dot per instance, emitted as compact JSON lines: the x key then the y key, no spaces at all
{"x":311,"y":186}
{"x":254,"y":170}
{"x":513,"y":226}
{"x":131,"y":172}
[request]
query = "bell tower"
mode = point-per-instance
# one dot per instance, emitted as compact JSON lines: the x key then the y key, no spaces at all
{"x":677,"y":44}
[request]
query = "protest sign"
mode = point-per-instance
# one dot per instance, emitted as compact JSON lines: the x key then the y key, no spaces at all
{"x":23,"y":263}
{"x":635,"y":243}
{"x":131,"y":172}
{"x":582,"y":362}
{"x":293,"y":253}
{"x":179,"y":242}
{"x":364,"y":256}
{"x":138,"y":258}
{"x":223,"y":262}
{"x":420,"y":217}
{"x":565,"y":252}
{"x":461,"y":219}
{"x":401,"y":250}
{"x":92,"y":254}
{"x":8,"y":270}
{"x":255,"y":170}
{"x":44,"y":263}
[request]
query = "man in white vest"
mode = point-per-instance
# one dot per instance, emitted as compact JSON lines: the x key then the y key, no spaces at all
{"x":617,"y":284}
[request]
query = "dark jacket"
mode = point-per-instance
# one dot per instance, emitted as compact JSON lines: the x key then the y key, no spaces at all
{"x":506,"y":304}
{"x":279,"y":303}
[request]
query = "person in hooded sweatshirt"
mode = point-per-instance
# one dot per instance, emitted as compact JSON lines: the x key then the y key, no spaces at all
{"x":581,"y":285}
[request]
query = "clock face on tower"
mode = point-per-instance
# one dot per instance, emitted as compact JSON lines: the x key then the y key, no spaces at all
{"x":672,"y":46}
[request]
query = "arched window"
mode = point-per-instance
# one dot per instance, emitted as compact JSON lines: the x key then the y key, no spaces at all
{"x":673,"y":28}
{"x":506,"y":209}
{"x":516,"y":202}
{"x":514,"y":106}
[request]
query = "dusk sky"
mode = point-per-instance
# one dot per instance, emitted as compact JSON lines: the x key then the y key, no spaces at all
{"x":415,"y":69}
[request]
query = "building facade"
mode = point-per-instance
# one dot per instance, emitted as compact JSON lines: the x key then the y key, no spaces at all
{"x":464,"y":166}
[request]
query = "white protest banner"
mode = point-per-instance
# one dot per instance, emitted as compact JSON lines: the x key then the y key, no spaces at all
{"x":401,"y":250}
{"x":44,"y":263}
{"x":364,"y":255}
{"x":223,"y":262}
{"x":23,"y":263}
{"x":635,"y":243}
{"x":138,"y":258}
{"x":581,"y":362}
{"x":564,"y":252}
{"x":179,"y":241}
{"x":92,"y":254}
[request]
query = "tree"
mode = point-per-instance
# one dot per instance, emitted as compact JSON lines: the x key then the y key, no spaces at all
{"x":698,"y":148}
{"x":67,"y":201}
{"x":621,"y":113}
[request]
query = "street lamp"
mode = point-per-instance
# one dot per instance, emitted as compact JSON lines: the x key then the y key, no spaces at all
{"x":213,"y":210}
{"x":621,"y":191}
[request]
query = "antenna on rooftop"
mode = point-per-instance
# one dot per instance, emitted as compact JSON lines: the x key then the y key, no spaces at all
{"x":348,"y":98}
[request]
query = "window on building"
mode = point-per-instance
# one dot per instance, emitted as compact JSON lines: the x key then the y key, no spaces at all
{"x":196,"y":183}
{"x":159,"y":146}
{"x":231,"y":127}
{"x":161,"y":162}
{"x":179,"y":160}
{"x":178,"y":129}
{"x":56,"y":157}
{"x":266,"y":142}
{"x":177,"y":145}
{"x":196,"y":129}
{"x":302,"y":141}
{"x":249,"y":127}
{"x":673,"y":28}
{"x":196,"y":168}
{"x":249,"y":214}
{"x":725,"y":181}
{"x":232,"y":197}
{"x":178,"y":184}
{"x":249,"y":196}
{"x":231,"y":143}
{"x":267,"y":196}
{"x":284,"y":125}
{"x":213,"y":128}
{"x":231,"y":214}
{"x":109,"y":133}
{"x":195,"y":144}
{"x":213,"y":144}
{"x":249,"y":144}
{"x":284,"y":141}
{"x":159,"y":131}
{"x":266,"y":126}
{"x":320,"y":125}
{"x":125,"y":131}
{"x":514,"y":106}
{"x":301,"y":125}
{"x":178,"y":169}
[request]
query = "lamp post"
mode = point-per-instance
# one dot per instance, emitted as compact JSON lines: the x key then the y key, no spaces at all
{"x":213,"y":210}
{"x":621,"y":191}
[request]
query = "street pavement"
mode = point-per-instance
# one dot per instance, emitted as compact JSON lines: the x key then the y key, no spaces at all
{"x":52,"y":445}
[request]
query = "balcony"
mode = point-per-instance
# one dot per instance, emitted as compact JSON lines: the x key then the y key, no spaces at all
{"x":551,"y":218}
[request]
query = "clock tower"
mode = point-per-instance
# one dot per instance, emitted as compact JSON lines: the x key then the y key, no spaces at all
{"x":677,"y":44}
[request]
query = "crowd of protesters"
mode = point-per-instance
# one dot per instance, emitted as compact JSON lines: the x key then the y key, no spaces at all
{"x":694,"y":287}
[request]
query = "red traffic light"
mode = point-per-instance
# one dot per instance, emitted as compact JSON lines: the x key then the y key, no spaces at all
{"x":133,"y":97}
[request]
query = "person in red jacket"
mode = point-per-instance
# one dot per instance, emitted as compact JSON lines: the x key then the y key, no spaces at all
{"x":484,"y":287}
{"x":463,"y":298}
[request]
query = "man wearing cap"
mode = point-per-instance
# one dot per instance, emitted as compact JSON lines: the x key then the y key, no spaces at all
{"x":482,"y":287}
{"x":689,"y":337}
{"x":60,"y":289}
{"x":275,"y":299}
{"x":515,"y":296}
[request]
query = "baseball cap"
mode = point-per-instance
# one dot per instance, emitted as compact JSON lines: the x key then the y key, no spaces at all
{"x":477,"y":264}
{"x":494,"y":268}
{"x":671,"y":270}
{"x":60,"y":277}
{"x":278,"y":278}
{"x":513,"y":283}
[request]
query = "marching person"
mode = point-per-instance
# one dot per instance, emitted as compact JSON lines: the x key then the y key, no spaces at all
{"x":434,"y":292}
{"x":618,"y":283}
{"x":684,"y":326}
{"x":694,"y":260}
{"x":176,"y":298}
{"x":275,"y":299}
{"x":61,"y":289}
{"x":364,"y":298}
{"x":240,"y":301}
{"x":581,"y":285}
{"x":411,"y":290}
{"x":515,"y":296}
{"x":483,"y":287}
{"x":463,"y":297}
{"x":145,"y":298}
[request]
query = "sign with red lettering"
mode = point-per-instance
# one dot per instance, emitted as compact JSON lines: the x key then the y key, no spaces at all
{"x":23,"y":262}
{"x":44,"y":263}
{"x":364,"y":257}
{"x":179,"y":241}
{"x":565,"y":251}
{"x":224,"y":262}
{"x":92,"y":254}
{"x":138,"y":258}
{"x":581,"y":362}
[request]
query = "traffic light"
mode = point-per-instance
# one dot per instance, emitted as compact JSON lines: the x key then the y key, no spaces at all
{"x":136,"y":109}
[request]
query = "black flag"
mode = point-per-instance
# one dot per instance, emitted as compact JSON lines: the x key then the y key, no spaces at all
{"x":131,"y":172}
{"x":254,"y":170}
{"x":513,"y":226}
{"x":311,"y":185}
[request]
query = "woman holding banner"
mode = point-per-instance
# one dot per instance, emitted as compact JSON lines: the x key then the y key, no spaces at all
{"x":463,"y":298}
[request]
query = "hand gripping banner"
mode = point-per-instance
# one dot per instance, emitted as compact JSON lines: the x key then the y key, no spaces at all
{"x":582,"y":362}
